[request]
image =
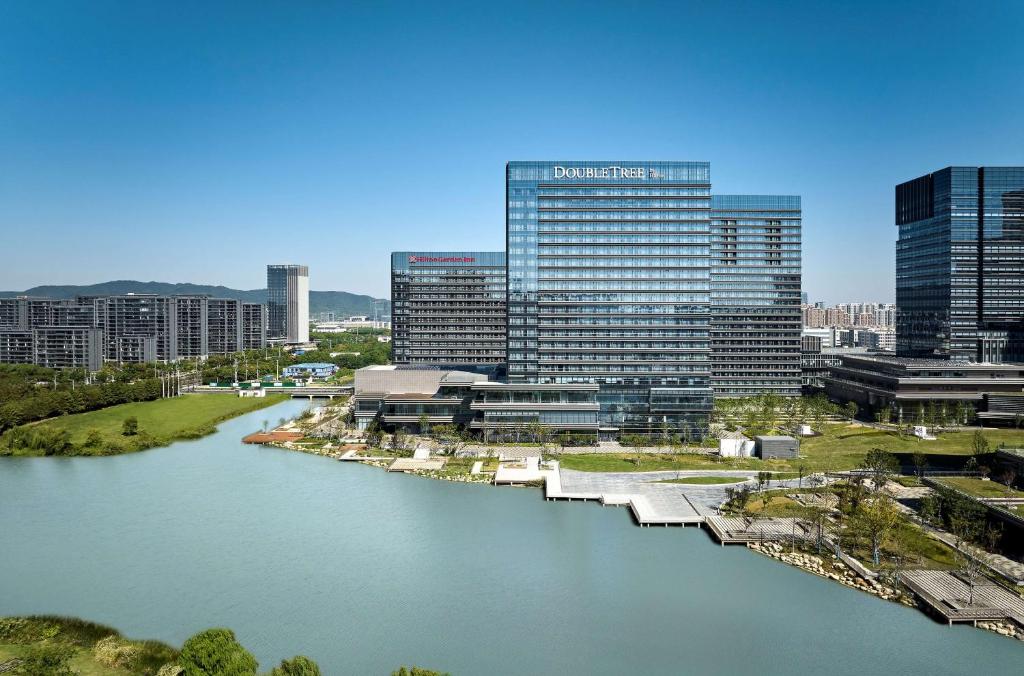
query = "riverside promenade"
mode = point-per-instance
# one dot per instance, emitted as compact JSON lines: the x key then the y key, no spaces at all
{"x":652,"y":501}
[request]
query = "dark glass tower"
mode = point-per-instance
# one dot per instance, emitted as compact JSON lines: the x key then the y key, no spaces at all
{"x":755,"y":295}
{"x":609,"y":283}
{"x":960,"y":265}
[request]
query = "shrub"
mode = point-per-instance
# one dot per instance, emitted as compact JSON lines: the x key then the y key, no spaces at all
{"x":116,"y":652}
{"x":215,"y":652}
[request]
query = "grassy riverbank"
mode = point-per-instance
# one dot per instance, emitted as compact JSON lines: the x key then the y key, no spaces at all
{"x":93,"y":649}
{"x":159,"y":423}
{"x":839,"y":447}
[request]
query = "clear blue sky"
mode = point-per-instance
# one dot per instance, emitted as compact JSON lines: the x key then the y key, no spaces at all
{"x":198,"y":141}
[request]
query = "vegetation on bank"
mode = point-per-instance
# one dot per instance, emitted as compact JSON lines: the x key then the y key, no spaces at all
{"x":127,"y":428}
{"x":48,"y":645}
{"x":29,"y":393}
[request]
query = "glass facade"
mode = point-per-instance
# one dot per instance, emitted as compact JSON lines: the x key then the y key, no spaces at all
{"x":959,"y":257}
{"x":288,"y":303}
{"x":609,"y":270}
{"x":448,"y":309}
{"x":755,"y":295}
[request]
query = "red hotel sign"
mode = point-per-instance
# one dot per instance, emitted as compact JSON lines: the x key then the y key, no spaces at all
{"x":441,"y":259}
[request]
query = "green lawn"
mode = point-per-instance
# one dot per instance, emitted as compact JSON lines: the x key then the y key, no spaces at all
{"x":839,"y":447}
{"x":701,"y":480}
{"x":160,"y":422}
{"x":982,"y":489}
{"x":83,"y":663}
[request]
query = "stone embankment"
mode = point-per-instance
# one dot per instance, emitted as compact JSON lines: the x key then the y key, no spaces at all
{"x":836,"y":570}
{"x":830,"y":568}
{"x":1003,"y":629}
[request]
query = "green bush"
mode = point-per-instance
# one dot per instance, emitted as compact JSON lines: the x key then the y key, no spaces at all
{"x":215,"y":652}
{"x":300,"y":665}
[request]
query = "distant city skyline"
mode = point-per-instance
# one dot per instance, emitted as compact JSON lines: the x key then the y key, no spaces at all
{"x":197,"y":144}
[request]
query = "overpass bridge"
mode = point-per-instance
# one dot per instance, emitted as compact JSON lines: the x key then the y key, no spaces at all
{"x":297,"y":392}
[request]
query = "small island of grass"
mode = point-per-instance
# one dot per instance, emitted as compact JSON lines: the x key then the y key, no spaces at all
{"x":127,"y":428}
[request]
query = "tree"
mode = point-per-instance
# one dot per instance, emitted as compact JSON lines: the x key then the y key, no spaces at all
{"x":801,"y":471}
{"x":850,"y":410}
{"x":44,"y":659}
{"x":130,"y":427}
{"x":215,"y":652}
{"x":874,"y":519}
{"x":424,"y":422}
{"x":979,"y":443}
{"x":417,"y":671}
{"x":374,"y":434}
{"x":817,"y":515}
{"x":881,"y":465}
{"x":300,"y":665}
{"x":920,"y":463}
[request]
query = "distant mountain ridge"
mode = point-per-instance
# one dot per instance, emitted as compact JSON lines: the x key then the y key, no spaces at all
{"x":341,"y":303}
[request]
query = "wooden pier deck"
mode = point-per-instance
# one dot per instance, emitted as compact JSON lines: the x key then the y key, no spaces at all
{"x":947,"y":595}
{"x":734,"y":530}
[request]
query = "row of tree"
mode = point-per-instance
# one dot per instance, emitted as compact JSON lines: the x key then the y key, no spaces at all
{"x":28,"y":393}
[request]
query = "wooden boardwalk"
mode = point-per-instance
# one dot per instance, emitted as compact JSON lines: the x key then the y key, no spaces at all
{"x":947,"y":595}
{"x":734,"y":530}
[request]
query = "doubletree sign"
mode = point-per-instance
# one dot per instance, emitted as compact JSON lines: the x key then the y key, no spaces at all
{"x":442,"y":259}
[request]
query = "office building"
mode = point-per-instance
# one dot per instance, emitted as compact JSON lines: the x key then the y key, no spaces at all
{"x":15,"y":346}
{"x":13,"y":313}
{"x":223,"y":326}
{"x":288,"y":303}
{"x":254,"y":326}
{"x":906,"y":385}
{"x":959,"y":262}
{"x":448,"y":309}
{"x":877,"y":339}
{"x":755,"y":295}
{"x":60,"y":347}
{"x":609,"y":268}
{"x":189,"y":328}
{"x":139,"y":328}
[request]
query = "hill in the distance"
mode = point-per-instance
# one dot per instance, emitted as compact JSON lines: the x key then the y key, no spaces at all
{"x":342,"y":303}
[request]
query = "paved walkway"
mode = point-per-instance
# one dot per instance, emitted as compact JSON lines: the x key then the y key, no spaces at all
{"x":652,"y":501}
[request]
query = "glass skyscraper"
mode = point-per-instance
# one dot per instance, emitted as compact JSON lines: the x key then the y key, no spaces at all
{"x":755,"y":295}
{"x":960,"y":265}
{"x":288,"y":303}
{"x":609,"y":282}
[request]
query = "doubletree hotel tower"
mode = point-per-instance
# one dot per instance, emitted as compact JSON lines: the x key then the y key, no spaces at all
{"x":448,"y":309}
{"x":609,"y":282}
{"x":960,"y":265}
{"x":630,"y":275}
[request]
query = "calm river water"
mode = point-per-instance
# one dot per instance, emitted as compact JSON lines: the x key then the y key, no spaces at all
{"x":365,"y":571}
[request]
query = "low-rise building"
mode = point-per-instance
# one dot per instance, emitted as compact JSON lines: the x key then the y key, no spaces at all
{"x":310,"y":370}
{"x":399,"y":396}
{"x":905,"y":384}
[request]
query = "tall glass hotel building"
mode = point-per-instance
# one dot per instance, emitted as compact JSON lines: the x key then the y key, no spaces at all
{"x":609,"y":282}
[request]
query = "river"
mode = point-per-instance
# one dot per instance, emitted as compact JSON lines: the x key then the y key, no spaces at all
{"x":364,"y":571}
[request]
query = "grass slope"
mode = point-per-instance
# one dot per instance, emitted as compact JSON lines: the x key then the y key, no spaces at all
{"x":19,"y":634}
{"x":160,"y":422}
{"x":839,"y":447}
